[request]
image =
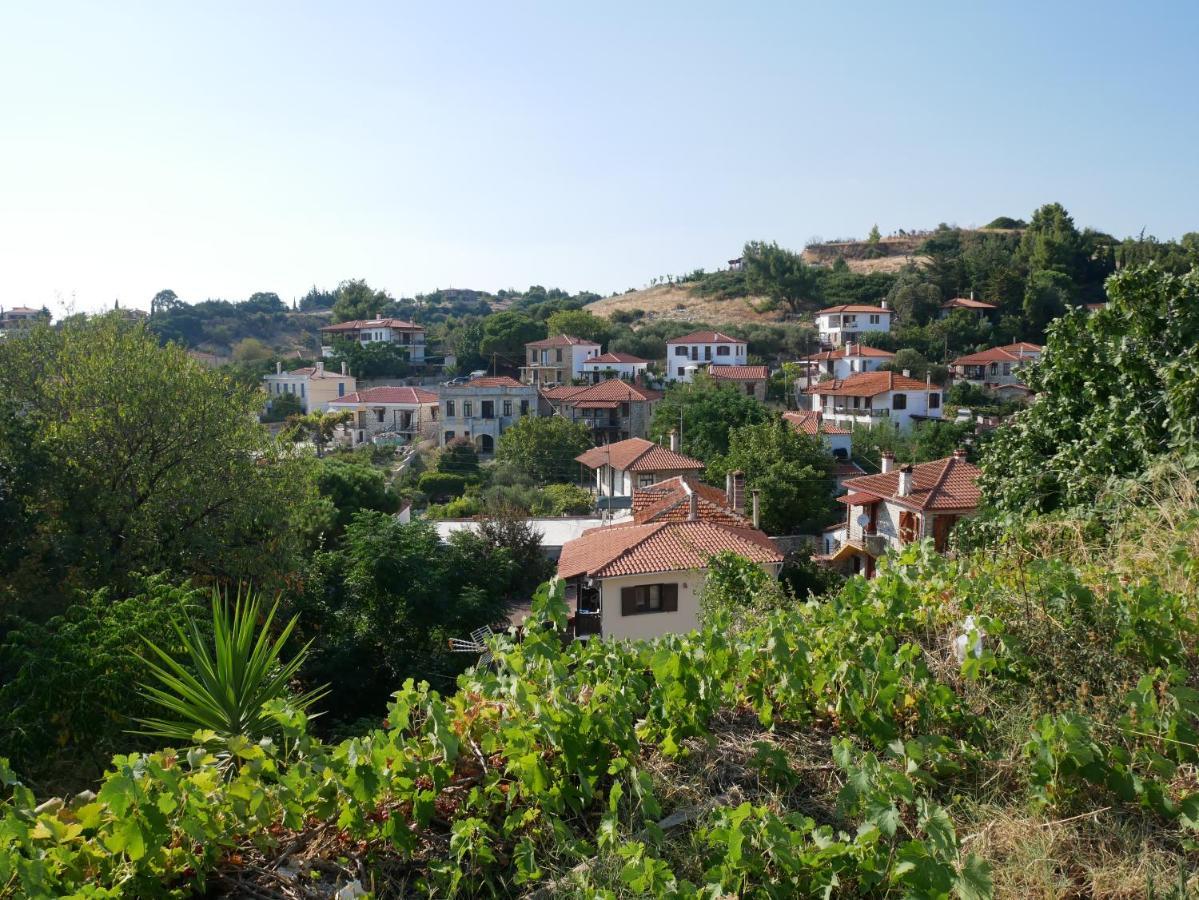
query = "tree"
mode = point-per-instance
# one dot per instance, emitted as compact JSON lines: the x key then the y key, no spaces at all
{"x":265,"y":302}
{"x":910,"y":361}
{"x":914,"y":300}
{"x":544,"y":448}
{"x":319,"y":425}
{"x":250,"y":350}
{"x":565,"y":500}
{"x":708,"y":411}
{"x":459,"y":457}
{"x":505,"y":335}
{"x":1115,"y":390}
{"x":464,"y":337}
{"x":792,"y":471}
{"x":162,"y":464}
{"x":1051,"y":242}
{"x":1046,"y":296}
{"x":165,"y":301}
{"x":442,"y":485}
{"x":780,"y":275}
{"x":356,"y":300}
{"x":378,"y":359}
{"x":581,"y":324}
{"x":352,"y":486}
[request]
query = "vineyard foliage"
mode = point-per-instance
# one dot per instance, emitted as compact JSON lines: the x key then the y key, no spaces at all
{"x":1076,"y":698}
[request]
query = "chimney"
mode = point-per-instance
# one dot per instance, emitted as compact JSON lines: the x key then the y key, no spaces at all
{"x":343,"y":367}
{"x":972,"y":295}
{"x":754,"y":497}
{"x":851,"y":348}
{"x":905,"y":480}
{"x":278,"y":367}
{"x":693,"y":505}
{"x":907,"y":373}
{"x":737,"y":499}
{"x":884,"y":305}
{"x":728,"y":488}
{"x":960,"y":453}
{"x":888,"y":461}
{"x":674,"y":440}
{"x":320,"y":367}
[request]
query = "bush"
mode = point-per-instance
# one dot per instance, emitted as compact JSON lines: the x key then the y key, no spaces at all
{"x":441,"y":485}
{"x":565,"y":500}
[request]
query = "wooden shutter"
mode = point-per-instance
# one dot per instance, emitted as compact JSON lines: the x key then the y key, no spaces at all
{"x":670,"y":597}
{"x":628,"y":601}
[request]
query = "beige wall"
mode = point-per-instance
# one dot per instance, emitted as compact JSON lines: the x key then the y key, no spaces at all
{"x":651,"y":625}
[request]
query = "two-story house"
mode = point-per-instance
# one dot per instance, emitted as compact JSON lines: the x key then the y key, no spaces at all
{"x":998,"y":369}
{"x":625,"y":465}
{"x":749,"y":380}
{"x":406,"y":335}
{"x":613,"y":410}
{"x":899,"y":506}
{"x":315,"y":387}
{"x":645,"y":577}
{"x":838,"y":324}
{"x":18,"y":318}
{"x":624,"y":366}
{"x":872,"y":397}
{"x":690,"y":353}
{"x":484,"y":408}
{"x":978,"y":307}
{"x":556,"y":360}
{"x":848,"y":359}
{"x":401,"y":413}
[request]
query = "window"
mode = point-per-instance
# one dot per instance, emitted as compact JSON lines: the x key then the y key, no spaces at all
{"x":302,"y":391}
{"x":934,"y":401}
{"x":624,"y":409}
{"x":433,"y":413}
{"x":749,"y":389}
{"x":507,"y":407}
{"x":1007,"y":368}
{"x":649,"y":598}
{"x":488,"y":409}
{"x":682,"y":371}
{"x":524,"y":407}
{"x":899,"y":401}
{"x":559,"y":356}
{"x":994,"y":368}
{"x":468,"y":408}
{"x":908,"y":529}
{"x":722,"y":350}
{"x":644,"y":480}
{"x":680,"y":351}
{"x":874,"y":318}
{"x":848,"y":320}
{"x":707,"y":352}
{"x":449,"y":436}
{"x":379,"y":415}
{"x":341,"y":389}
{"x":449,"y":410}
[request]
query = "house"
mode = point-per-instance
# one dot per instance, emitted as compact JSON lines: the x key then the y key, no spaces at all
{"x":556,"y":360}
{"x":484,"y":408}
{"x":998,"y":369}
{"x":749,"y":380}
{"x":978,"y":307}
{"x":395,"y":414}
{"x":613,"y":410}
{"x":871,"y":397}
{"x":846,"y":322}
{"x":900,"y":506}
{"x":17,"y":318}
{"x":314,"y":385}
{"x":625,"y":366}
{"x":848,"y":359}
{"x":621,"y":467}
{"x":837,"y":438}
{"x":407,"y":335}
{"x":645,"y":578}
{"x":687,"y":354}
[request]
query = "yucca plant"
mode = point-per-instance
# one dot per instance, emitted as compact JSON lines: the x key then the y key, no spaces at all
{"x":230,"y":676}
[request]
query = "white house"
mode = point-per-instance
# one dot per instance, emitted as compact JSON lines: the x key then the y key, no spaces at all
{"x":846,"y":322}
{"x":848,"y":359}
{"x":871,"y":397}
{"x":624,"y":366}
{"x":980,"y":308}
{"x":314,"y":386}
{"x":626,"y":465}
{"x":688,"y":354}
{"x":407,"y":335}
{"x":556,"y":360}
{"x":401,"y":413}
{"x":900,"y":506}
{"x":484,"y":408}
{"x":998,"y":369}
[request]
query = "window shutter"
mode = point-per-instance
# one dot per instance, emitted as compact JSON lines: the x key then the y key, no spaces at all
{"x":670,"y":598}
{"x":628,"y":601}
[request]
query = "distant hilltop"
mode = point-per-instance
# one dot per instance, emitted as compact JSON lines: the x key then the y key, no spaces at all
{"x":891,"y":252}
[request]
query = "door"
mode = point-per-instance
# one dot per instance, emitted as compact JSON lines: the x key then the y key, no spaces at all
{"x":942,"y":525}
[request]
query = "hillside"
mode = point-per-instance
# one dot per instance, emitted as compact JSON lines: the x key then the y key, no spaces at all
{"x":684,"y":303}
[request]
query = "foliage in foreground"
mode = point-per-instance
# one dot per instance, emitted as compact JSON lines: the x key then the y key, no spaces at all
{"x":567,"y":753}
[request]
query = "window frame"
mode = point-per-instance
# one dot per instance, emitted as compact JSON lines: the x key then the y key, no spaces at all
{"x":640,"y":599}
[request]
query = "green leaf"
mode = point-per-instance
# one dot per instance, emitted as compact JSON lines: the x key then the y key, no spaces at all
{"x":974,"y":879}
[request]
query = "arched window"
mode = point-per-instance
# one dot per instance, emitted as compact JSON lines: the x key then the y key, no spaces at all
{"x":486,"y":443}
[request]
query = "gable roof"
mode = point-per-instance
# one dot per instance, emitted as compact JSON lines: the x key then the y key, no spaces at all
{"x":638,"y":455}
{"x":854,"y":308}
{"x":705,"y":337}
{"x":562,"y":391}
{"x":944,"y":484}
{"x":404,"y":396}
{"x":1018,"y":352}
{"x":868,"y":384}
{"x":492,"y":381}
{"x":660,"y":547}
{"x":842,"y":353}
{"x":611,"y":357}
{"x":311,"y":373}
{"x":613,"y":390}
{"x":670,"y":501}
{"x":739,"y":373}
{"x":967,"y":303}
{"x":359,"y":324}
{"x":811,"y":421}
{"x":560,"y":340}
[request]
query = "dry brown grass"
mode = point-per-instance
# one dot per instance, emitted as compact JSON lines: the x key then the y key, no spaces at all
{"x":678,"y":302}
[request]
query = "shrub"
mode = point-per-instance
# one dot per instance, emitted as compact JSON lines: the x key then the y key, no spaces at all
{"x":442,"y":485}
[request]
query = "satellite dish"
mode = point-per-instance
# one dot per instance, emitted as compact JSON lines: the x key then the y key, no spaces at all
{"x":863,"y":520}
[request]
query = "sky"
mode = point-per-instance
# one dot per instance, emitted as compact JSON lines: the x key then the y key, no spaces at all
{"x":219,"y":149}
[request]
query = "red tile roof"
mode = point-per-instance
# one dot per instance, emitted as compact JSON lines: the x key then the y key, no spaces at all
{"x":560,"y":340}
{"x":1021,"y":352}
{"x":857,"y":498}
{"x":605,"y":358}
{"x":670,"y":501}
{"x":854,"y":308}
{"x":405,"y":396}
{"x":359,"y":324}
{"x":945,"y":484}
{"x":660,"y":547}
{"x":492,"y":381}
{"x":867,"y":384}
{"x":562,"y":391}
{"x":841,"y":353}
{"x":739,"y":373}
{"x":613,"y":390}
{"x":705,"y":337}
{"x":967,"y":303}
{"x":811,"y":421}
{"x":638,"y":455}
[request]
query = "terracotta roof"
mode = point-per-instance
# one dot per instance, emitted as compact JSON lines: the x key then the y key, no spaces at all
{"x":604,"y":358}
{"x":847,"y":467}
{"x":841,"y":353}
{"x":492,"y":381}
{"x":740,"y":373}
{"x":705,"y":337}
{"x":562,"y":391}
{"x":594,"y":404}
{"x":660,"y":547}
{"x":560,"y":340}
{"x":407,"y":396}
{"x":950,"y":483}
{"x":312,"y":372}
{"x":867,"y":384}
{"x":359,"y":324}
{"x":638,"y":455}
{"x":670,"y":501}
{"x":811,"y":421}
{"x":1021,"y":352}
{"x":967,"y":303}
{"x":613,"y":390}
{"x":854,"y":308}
{"x":857,"y":499}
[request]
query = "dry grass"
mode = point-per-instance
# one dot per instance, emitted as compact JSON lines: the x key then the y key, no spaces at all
{"x":678,"y":302}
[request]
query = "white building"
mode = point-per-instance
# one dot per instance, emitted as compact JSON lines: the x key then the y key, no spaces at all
{"x":999,"y":369}
{"x":556,"y":360}
{"x":403,"y":413}
{"x":871,"y":397}
{"x":846,"y":322}
{"x":624,"y":366}
{"x":688,"y":354}
{"x":313,"y":385}
{"x":626,"y":465}
{"x":407,"y":335}
{"x":848,"y":359}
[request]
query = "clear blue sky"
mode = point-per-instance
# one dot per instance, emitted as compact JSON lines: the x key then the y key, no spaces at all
{"x":222,"y":148}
